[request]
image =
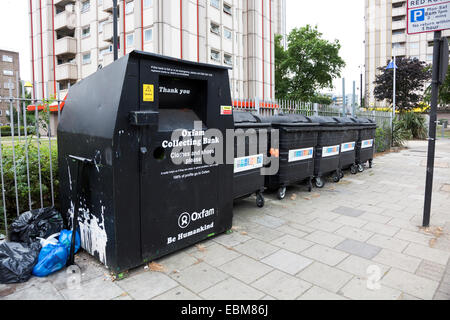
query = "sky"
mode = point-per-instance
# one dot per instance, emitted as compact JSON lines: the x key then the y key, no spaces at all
{"x":342,"y":20}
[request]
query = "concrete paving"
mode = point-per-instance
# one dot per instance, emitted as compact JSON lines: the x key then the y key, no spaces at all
{"x":358,"y":239}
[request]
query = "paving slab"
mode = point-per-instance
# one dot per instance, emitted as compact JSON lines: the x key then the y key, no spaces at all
{"x":292,"y":243}
{"x":317,"y":293}
{"x":431,"y":254}
{"x":354,"y":233}
{"x":281,"y":285}
{"x":325,"y":276}
{"x":147,"y":285}
{"x":358,"y":289}
{"x":256,"y":249}
{"x":431,"y":270}
{"x":410,"y":283}
{"x":347,"y":211}
{"x":232,"y":289}
{"x":199,"y":277}
{"x":245,"y":269}
{"x":215,"y":255}
{"x":177,"y":293}
{"x":325,"y":254}
{"x":359,"y":248}
{"x":389,"y":243}
{"x":95,"y":289}
{"x":287,"y":261}
{"x":325,"y":238}
{"x":361,"y":267}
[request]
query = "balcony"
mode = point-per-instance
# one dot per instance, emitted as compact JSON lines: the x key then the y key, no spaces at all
{"x":66,"y":47}
{"x":66,"y":71}
{"x":399,"y":51}
{"x":108,"y":31}
{"x":401,"y":24}
{"x":65,"y":20}
{"x":107,"y":5}
{"x":399,"y":38}
{"x":63,"y":3}
{"x":398,"y":1}
{"x":401,"y":11}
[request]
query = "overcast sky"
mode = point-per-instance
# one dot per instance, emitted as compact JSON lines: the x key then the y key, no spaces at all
{"x":342,"y":20}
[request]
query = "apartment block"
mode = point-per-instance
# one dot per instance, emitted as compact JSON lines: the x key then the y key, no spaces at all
{"x":9,"y":76}
{"x":386,"y":36}
{"x":71,"y":39}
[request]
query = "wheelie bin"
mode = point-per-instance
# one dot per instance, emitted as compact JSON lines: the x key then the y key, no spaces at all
{"x":365,"y":146}
{"x":327,"y":155}
{"x":248,"y":157}
{"x":133,"y":142}
{"x":348,"y":147}
{"x":297,"y":140}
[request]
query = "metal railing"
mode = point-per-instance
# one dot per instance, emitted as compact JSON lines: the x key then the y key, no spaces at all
{"x":27,"y":151}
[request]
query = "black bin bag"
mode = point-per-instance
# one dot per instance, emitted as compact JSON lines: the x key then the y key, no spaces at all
{"x":39,"y":223}
{"x":17,"y":261}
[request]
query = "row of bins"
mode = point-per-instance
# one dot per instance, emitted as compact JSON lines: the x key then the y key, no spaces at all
{"x":310,"y":149}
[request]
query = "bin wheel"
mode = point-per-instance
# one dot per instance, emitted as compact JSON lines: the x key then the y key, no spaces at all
{"x":360,"y":168}
{"x":320,"y":183}
{"x":310,"y":186}
{"x":341,"y":174}
{"x":259,"y":200}
{"x":370,"y":164}
{"x":335,"y":177}
{"x":281,"y":194}
{"x":354,"y":169}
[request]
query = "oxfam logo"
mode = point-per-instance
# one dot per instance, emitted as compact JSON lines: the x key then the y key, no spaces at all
{"x":185,"y":218}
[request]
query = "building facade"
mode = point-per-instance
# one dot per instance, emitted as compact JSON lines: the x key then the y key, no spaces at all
{"x":386,"y":36}
{"x":9,"y":76}
{"x":71,"y":39}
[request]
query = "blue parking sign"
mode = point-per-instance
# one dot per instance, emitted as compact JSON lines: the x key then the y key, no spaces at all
{"x":418,"y":15}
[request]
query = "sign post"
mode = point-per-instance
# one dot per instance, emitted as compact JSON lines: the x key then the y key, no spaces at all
{"x":431,"y":16}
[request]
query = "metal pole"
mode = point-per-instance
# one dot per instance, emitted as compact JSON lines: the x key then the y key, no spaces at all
{"x":354,"y":99}
{"x":394,"y":95}
{"x":116,"y":49}
{"x":343,"y":97}
{"x":432,"y":133}
{"x":361,"y":91}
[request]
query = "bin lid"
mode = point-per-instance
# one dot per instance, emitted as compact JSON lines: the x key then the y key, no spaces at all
{"x":325,"y":121}
{"x":288,"y":120}
{"x":247,"y":119}
{"x":364,"y":121}
{"x":346,"y":121}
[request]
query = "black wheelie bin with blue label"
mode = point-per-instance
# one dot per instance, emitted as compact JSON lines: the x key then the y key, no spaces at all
{"x":327,"y":155}
{"x":249,"y":156}
{"x":365,"y":147}
{"x":348,"y":147}
{"x":138,"y":133}
{"x":297,"y":140}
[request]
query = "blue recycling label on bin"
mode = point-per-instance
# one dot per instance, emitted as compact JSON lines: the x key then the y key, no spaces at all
{"x":330,"y":151}
{"x":301,"y":154}
{"x":248,"y":163}
{"x":348,"y":146}
{"x":367,"y":144}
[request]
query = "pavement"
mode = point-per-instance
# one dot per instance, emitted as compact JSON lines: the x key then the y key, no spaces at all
{"x":358,"y":239}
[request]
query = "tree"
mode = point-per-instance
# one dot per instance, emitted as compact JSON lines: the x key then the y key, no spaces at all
{"x":411,"y":77}
{"x":444,"y":91}
{"x":308,"y":65}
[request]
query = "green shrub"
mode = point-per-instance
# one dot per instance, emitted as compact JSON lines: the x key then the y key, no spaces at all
{"x":415,"y":123}
{"x":21,"y":173}
{"x":401,"y":133}
{"x":6,"y":131}
{"x":383,"y":138}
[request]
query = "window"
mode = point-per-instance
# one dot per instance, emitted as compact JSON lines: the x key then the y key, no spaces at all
{"x":8,"y":73}
{"x":147,"y":3}
{"x":414,"y":45}
{"x":227,"y":9}
{"x":430,"y":57}
{"x":130,"y":40}
{"x":228,"y":59}
{"x":8,"y":85}
{"x":215,"y":28}
{"x":7,"y":58}
{"x":227,"y":34}
{"x":100,"y":26}
{"x":85,"y":6}
{"x":148,"y":35}
{"x":129,"y":7}
{"x":87,"y":58}
{"x":215,"y":55}
{"x":85,"y":31}
{"x":215,"y":4}
{"x":100,"y":2}
{"x":105,"y":51}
